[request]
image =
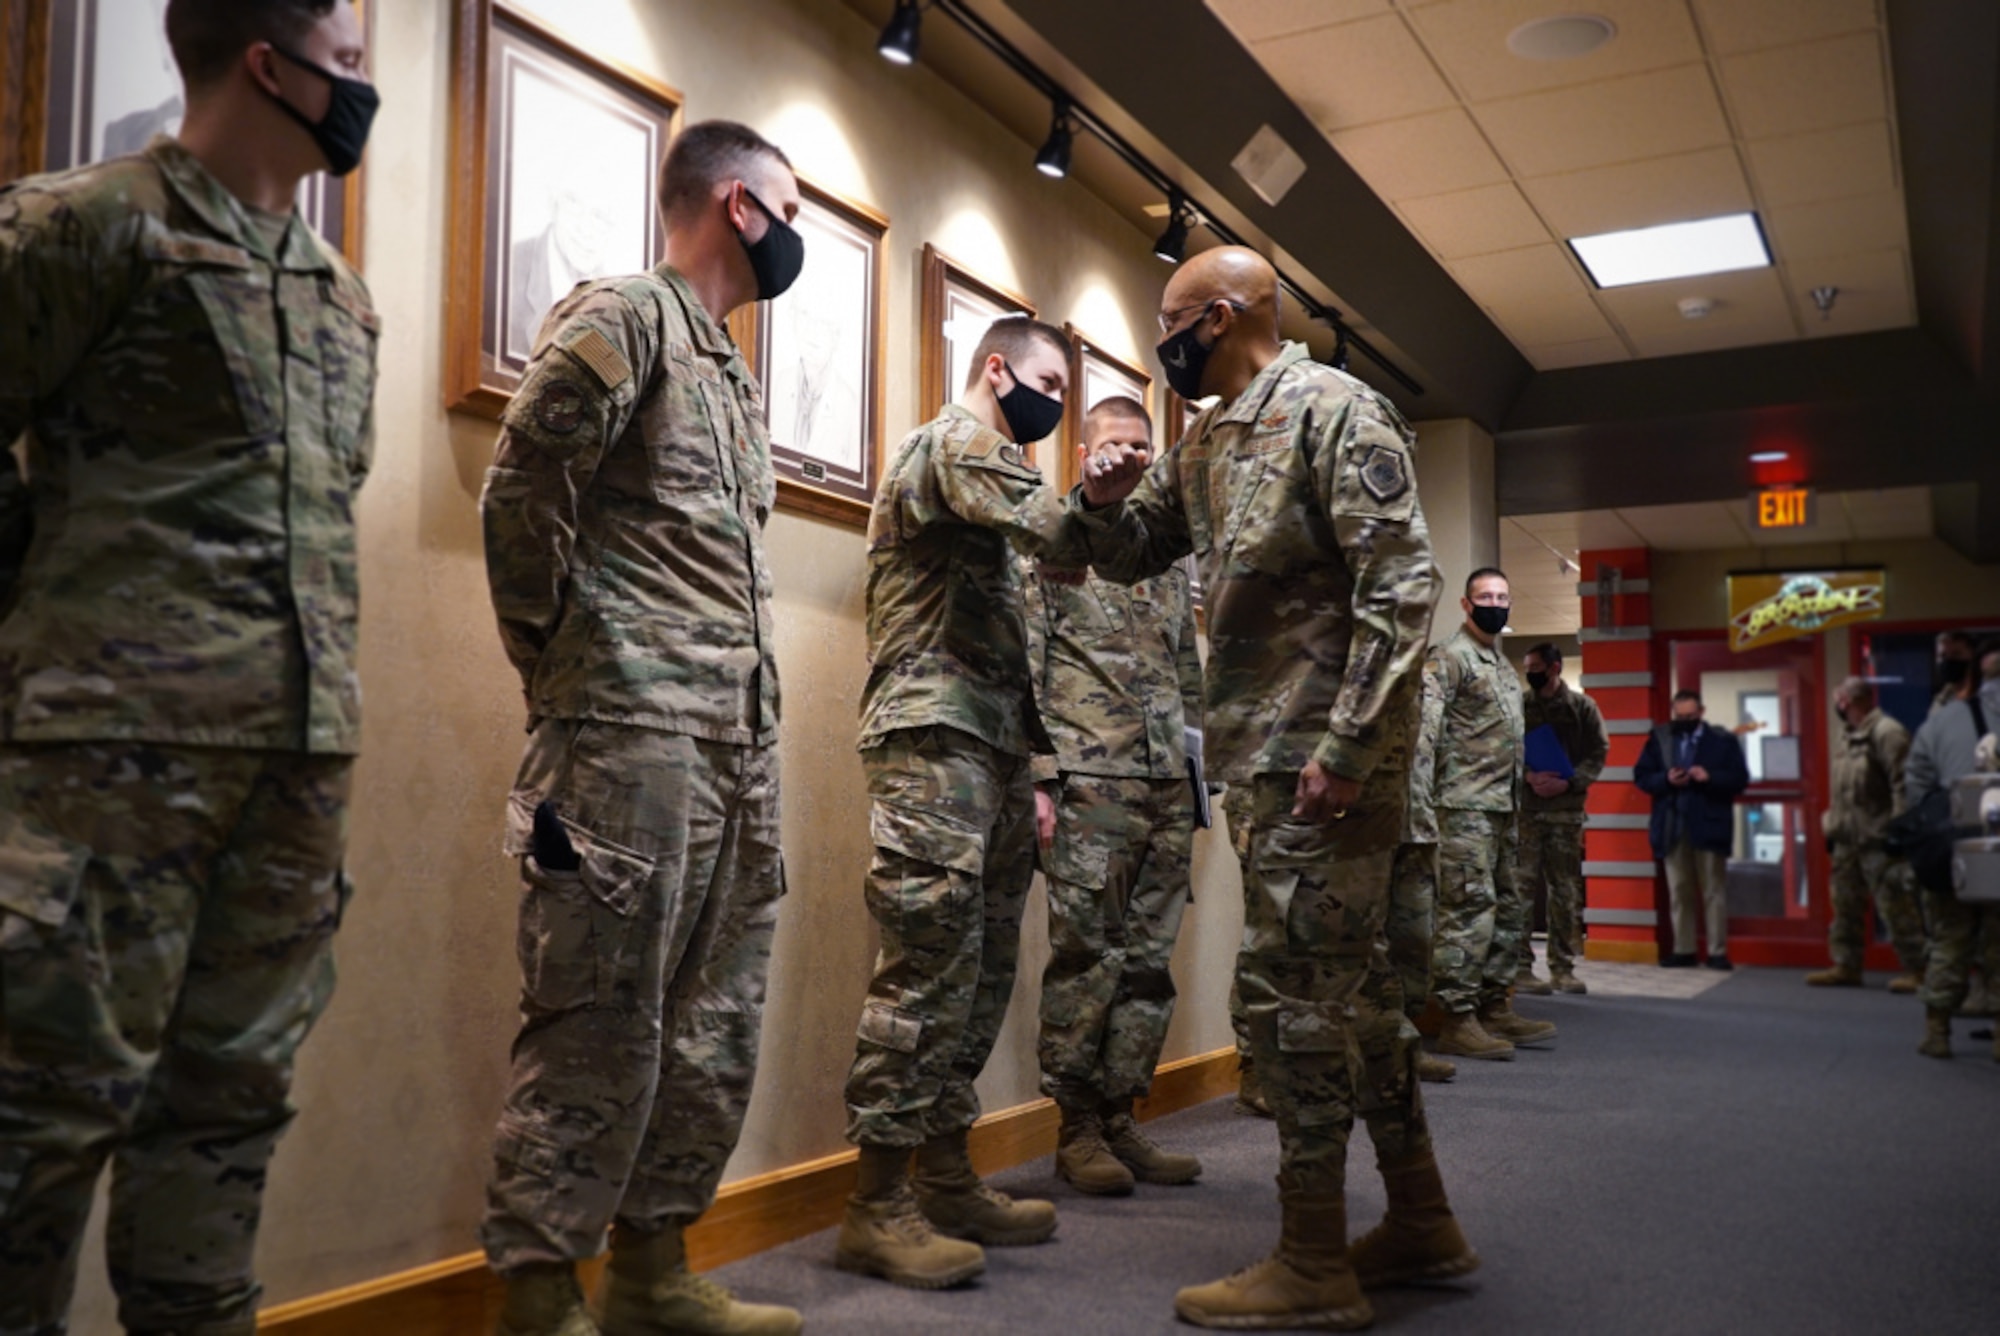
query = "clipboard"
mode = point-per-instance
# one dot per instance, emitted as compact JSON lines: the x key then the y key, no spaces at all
{"x":1541,"y":751}
{"x":1204,"y":815}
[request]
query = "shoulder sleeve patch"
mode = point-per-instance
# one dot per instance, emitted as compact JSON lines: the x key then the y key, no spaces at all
{"x":1385,"y":473}
{"x":559,"y":406}
{"x":588,"y":345}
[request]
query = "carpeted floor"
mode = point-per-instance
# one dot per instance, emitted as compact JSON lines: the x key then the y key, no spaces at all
{"x":1761,"y":1158}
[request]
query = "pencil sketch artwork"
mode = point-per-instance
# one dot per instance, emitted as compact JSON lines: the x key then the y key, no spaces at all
{"x":820,"y":347}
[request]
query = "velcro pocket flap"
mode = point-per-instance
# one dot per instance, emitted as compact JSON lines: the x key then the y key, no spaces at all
{"x":1312,"y":1027}
{"x":928,"y":837}
{"x":40,"y":876}
{"x":890,"y":1026}
{"x":1295,"y":844}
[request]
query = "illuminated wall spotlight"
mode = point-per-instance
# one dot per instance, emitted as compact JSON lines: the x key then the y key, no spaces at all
{"x":898,"y":43}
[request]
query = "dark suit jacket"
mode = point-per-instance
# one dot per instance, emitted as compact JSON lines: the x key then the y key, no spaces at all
{"x":1698,"y":811}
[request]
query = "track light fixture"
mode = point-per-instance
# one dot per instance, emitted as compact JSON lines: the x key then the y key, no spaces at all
{"x":1053,"y":159}
{"x":898,"y":43}
{"x":1339,"y":359}
{"x":1172,"y":244}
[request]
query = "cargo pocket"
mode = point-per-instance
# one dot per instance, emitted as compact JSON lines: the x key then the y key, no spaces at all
{"x":575,"y":922}
{"x":1285,"y":855}
{"x":1314,"y":1036}
{"x":924,"y":884}
{"x":889,"y":1026}
{"x":1075,"y":857}
{"x":48,"y":978}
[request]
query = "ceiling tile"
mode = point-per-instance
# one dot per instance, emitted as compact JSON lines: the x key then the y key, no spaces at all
{"x":1874,"y":293}
{"x":1586,"y":352}
{"x":1829,"y":164}
{"x":1535,"y":294}
{"x":1642,"y":194}
{"x":1793,"y":89}
{"x":1421,"y":155}
{"x":1897,"y":512}
{"x":1474,"y":222}
{"x":1750,"y":307}
{"x":1355,"y":73}
{"x":1469,"y":39}
{"x":1840,"y":227}
{"x":1734,"y":26}
{"x":1645,"y":116}
{"x":1256,"y":20}
{"x":1685,"y":528}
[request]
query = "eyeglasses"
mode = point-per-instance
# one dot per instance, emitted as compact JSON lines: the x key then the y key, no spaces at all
{"x":1168,"y":319}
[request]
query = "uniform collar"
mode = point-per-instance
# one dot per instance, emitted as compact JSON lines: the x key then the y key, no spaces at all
{"x":708,"y":336}
{"x":224,"y":214}
{"x":1249,"y":405}
{"x":1490,"y":652}
{"x":960,"y":413}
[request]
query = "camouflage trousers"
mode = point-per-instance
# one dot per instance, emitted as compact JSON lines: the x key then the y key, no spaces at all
{"x":166,"y":922}
{"x":953,"y":822}
{"x":1482,"y":919}
{"x":1118,"y":884}
{"x":1411,"y":931}
{"x":1552,"y":858}
{"x":1320,"y":999}
{"x":1866,"y":872}
{"x":1960,"y":934}
{"x":651,"y":877}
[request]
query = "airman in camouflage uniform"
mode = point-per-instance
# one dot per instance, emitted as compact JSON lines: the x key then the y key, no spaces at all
{"x":624,"y":519}
{"x":1470,"y":742}
{"x":1552,"y":816}
{"x":1868,"y":773}
{"x":1297,"y":493}
{"x":948,"y":721}
{"x":178,"y":692}
{"x":1117,"y":678}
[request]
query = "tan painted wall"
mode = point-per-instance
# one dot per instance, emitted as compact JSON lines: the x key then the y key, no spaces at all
{"x":385,"y":1167}
{"x":1455,"y":479}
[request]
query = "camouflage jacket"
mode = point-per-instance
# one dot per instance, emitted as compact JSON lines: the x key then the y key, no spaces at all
{"x":178,"y":564}
{"x":1116,"y":671}
{"x":946,"y":642}
{"x":1579,"y":727}
{"x":1469,"y":743}
{"x":624,"y":518}
{"x":1868,"y":775}
{"x":1300,"y":501}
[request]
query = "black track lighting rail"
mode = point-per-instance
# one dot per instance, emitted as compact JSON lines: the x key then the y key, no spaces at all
{"x":1081,"y":116}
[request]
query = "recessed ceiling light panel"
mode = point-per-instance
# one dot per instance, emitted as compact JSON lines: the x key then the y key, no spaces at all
{"x":1674,"y":250}
{"x":1561,"y":37}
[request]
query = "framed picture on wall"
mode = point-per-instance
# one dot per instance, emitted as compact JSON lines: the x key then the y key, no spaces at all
{"x":958,"y":305}
{"x":555,"y":155}
{"x":88,"y":80}
{"x":1094,"y":376}
{"x":818,"y":352}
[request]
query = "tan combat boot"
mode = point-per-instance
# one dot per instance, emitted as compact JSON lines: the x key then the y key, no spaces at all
{"x":1250,"y":1093}
{"x":1503,"y":1022}
{"x":1531,"y":983}
{"x":954,"y":1200}
{"x":1083,"y":1160}
{"x":1835,"y":976}
{"x":1306,"y":1283}
{"x":1937,"y":1034}
{"x":544,"y":1300}
{"x":1431,"y":1067}
{"x":1141,"y":1154}
{"x":1419,"y":1238}
{"x":1905,"y":983}
{"x":649,"y":1291}
{"x":1566,"y":982}
{"x":885,"y":1234}
{"x":1463,"y":1037}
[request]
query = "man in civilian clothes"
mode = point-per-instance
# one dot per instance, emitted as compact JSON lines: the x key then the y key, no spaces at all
{"x":1694,"y":773}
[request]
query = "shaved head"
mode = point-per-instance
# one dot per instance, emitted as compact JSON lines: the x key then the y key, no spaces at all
{"x":1227,"y":273}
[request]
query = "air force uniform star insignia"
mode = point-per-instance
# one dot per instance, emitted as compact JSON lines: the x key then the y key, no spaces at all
{"x":1384,"y":473}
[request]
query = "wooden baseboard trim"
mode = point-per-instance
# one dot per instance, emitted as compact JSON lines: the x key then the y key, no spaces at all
{"x":1624,"y":953}
{"x":459,"y":1295}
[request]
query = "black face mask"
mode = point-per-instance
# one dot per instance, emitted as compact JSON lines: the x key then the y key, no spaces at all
{"x":1030,"y":414}
{"x":1183,"y":356}
{"x":1686,"y":726}
{"x":1955,"y":671}
{"x":777,"y":256}
{"x":1490,"y":620}
{"x":342,"y":133}
{"x":1538,"y":682}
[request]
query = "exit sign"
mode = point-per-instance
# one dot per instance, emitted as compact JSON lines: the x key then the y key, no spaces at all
{"x":1782,"y":508}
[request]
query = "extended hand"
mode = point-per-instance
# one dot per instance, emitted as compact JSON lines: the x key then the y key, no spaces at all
{"x":1111,"y":474}
{"x":1324,"y":796}
{"x":1045,"y":817}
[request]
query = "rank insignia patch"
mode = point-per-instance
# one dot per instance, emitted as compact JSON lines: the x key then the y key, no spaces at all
{"x":1384,"y":474}
{"x":559,"y":407}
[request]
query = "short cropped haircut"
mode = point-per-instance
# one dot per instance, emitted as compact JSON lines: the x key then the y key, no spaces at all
{"x":705,"y":155}
{"x":1119,"y":407}
{"x":1687,"y":693}
{"x":1013,"y":336}
{"x":1485,"y":573}
{"x":1857,"y":689}
{"x":208,"y":36}
{"x":1961,"y":639}
{"x":1548,"y":653}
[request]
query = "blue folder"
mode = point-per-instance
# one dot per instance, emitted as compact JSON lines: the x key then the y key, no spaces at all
{"x":1544,"y":752}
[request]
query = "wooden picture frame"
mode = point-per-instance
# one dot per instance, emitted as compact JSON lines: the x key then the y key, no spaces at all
{"x":954,"y":299}
{"x":577,"y":183}
{"x":56,"y":55}
{"x":1094,"y":375}
{"x":835,"y":316}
